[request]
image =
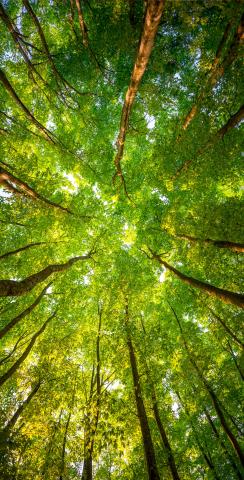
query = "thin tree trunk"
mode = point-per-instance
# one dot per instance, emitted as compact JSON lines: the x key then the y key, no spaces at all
{"x":11,"y":423}
{"x":26,"y":352}
{"x":227,"y":329}
{"x":222,"y":444}
{"x":224,"y":295}
{"x":235,"y":361}
{"x":92,"y":419}
{"x":152,"y":18}
{"x":168,"y":449}
{"x":233,"y":440}
{"x":25,"y":189}
{"x":231,"y":123}
{"x":145,"y":430}
{"x":17,"y":288}
{"x":47,"y":134}
{"x":18,"y":41}
{"x":21,"y":249}
{"x":62,"y":468}
{"x":15,"y":347}
{"x":235,"y":247}
{"x":194,"y":109}
{"x":23,"y":314}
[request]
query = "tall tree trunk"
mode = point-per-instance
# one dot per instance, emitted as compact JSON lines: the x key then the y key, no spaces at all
{"x":224,"y":295}
{"x":23,"y":314}
{"x":231,"y":123}
{"x":233,"y":246}
{"x":58,"y":76}
{"x":11,"y":423}
{"x":26,"y":352}
{"x":62,"y":468}
{"x":21,"y":249}
{"x":25,"y":189}
{"x":16,"y":288}
{"x":222,"y":444}
{"x":194,"y":109}
{"x":83,"y":26}
{"x":45,"y":132}
{"x":233,"y":440}
{"x":227,"y":329}
{"x":167,"y":446}
{"x":93,"y":417}
{"x":146,"y":434}
{"x":152,"y":18}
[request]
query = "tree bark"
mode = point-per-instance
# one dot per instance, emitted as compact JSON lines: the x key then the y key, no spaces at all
{"x":62,"y":468}
{"x":152,"y":18}
{"x":23,"y":314}
{"x":83,"y":26}
{"x":17,"y":288}
{"x":233,"y":246}
{"x":233,"y":440}
{"x":45,"y":132}
{"x":21,"y":249}
{"x":26,"y":352}
{"x":224,"y":295}
{"x":11,"y":423}
{"x":231,"y":123}
{"x":145,"y":430}
{"x":25,"y":189}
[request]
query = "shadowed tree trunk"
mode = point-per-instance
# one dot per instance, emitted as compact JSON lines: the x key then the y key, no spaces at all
{"x":224,"y":295}
{"x":7,"y":179}
{"x":152,"y":18}
{"x":25,"y":354}
{"x":21,"y":249}
{"x":233,"y":246}
{"x":145,"y":430}
{"x":23,"y":314}
{"x":233,"y":121}
{"x":45,"y":132}
{"x":194,"y":109}
{"x":233,"y":440}
{"x":17,"y":288}
{"x":11,"y":423}
{"x":62,"y":468}
{"x":222,"y":444}
{"x":83,"y":26}
{"x":227,"y":329}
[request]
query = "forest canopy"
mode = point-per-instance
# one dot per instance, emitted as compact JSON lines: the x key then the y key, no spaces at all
{"x":121,"y":239}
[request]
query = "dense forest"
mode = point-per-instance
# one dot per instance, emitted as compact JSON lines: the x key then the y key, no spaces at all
{"x":121,"y":239}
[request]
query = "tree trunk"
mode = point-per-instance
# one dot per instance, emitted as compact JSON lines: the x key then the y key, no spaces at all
{"x":16,"y":288}
{"x":227,"y":329}
{"x":62,"y":468}
{"x":25,"y":189}
{"x":45,"y":132}
{"x":21,"y":249}
{"x":222,"y":444}
{"x":233,"y":440}
{"x":93,"y":418}
{"x":23,"y":314}
{"x":83,"y":26}
{"x":224,"y":295}
{"x":152,"y":18}
{"x":11,"y":423}
{"x":146,"y":434}
{"x":26,"y":352}
{"x":169,"y":453}
{"x":233,"y":246}
{"x":194,"y":109}
{"x":231,"y":123}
